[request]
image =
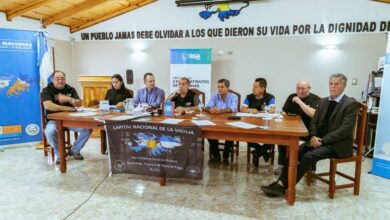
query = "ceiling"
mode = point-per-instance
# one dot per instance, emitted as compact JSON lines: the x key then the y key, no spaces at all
{"x":75,"y":14}
{"x":386,"y":1}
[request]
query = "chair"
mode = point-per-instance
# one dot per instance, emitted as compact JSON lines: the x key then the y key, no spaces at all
{"x":131,"y":92}
{"x":236,"y":145}
{"x":271,"y":154}
{"x":46,"y":147}
{"x":93,"y":103}
{"x":359,"y":132}
{"x":103,"y":141}
{"x":199,"y":93}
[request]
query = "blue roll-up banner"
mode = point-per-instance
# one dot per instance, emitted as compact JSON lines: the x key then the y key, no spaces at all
{"x":381,"y":161}
{"x":20,"y":120}
{"x":194,"y":64}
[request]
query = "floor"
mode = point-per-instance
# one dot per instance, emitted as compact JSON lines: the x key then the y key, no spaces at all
{"x":31,"y":188}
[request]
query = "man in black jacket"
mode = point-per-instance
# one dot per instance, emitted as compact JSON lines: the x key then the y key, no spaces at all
{"x":330,"y":133}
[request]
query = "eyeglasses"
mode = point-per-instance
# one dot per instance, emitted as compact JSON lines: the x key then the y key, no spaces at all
{"x":59,"y":79}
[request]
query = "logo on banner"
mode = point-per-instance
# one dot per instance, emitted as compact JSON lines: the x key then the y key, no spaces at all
{"x":156,"y":145}
{"x":223,"y":10}
{"x":15,"y":44}
{"x":32,"y":129}
{"x":120,"y":166}
{"x":192,"y":56}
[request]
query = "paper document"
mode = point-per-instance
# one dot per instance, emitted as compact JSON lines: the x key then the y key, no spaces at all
{"x":243,"y":125}
{"x":123,"y":117}
{"x":244,"y":114}
{"x":84,"y":109}
{"x":202,"y":122}
{"x":172,"y":121}
{"x":83,"y":114}
{"x":128,"y":117}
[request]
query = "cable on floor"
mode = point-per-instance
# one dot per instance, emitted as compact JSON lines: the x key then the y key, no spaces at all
{"x":93,"y":192}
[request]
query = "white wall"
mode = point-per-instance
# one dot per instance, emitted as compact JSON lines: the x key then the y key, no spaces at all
{"x":281,"y":60}
{"x":164,"y":14}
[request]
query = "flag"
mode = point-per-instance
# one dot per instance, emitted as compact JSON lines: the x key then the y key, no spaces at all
{"x":44,"y":62}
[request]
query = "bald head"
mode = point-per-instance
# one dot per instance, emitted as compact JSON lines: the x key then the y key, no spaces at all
{"x":303,"y":88}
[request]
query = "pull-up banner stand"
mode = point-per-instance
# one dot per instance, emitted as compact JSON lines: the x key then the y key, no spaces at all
{"x":20,"y":120}
{"x":381,"y":161}
{"x":194,"y":64}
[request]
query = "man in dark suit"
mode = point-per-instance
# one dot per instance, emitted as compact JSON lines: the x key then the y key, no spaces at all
{"x":330,"y":133}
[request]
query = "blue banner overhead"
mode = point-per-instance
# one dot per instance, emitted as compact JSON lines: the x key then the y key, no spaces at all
{"x":19,"y":88}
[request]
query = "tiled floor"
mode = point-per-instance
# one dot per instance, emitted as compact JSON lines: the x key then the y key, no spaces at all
{"x":30,"y":188}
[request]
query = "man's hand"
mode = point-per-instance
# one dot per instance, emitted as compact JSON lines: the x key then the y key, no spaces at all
{"x":315,"y":141}
{"x":297,"y":100}
{"x":252,"y":111}
{"x":215,"y":110}
{"x":120,"y":105}
{"x":70,"y":109}
{"x":62,"y":99}
{"x":180,"y":110}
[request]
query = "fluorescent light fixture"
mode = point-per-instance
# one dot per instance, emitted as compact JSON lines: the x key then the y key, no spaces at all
{"x":330,"y":46}
{"x":138,"y":50}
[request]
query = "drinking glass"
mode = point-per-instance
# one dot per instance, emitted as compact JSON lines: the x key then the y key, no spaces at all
{"x":201,"y":107}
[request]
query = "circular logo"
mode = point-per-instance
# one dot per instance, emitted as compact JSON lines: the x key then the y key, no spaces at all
{"x":119,"y":165}
{"x":32,"y":129}
{"x":193,"y":171}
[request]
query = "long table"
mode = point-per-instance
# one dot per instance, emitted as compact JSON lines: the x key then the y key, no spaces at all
{"x":286,"y":132}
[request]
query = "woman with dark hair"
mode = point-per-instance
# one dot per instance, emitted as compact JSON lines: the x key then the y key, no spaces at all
{"x":118,"y":92}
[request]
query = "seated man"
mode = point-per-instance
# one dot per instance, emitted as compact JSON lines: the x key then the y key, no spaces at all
{"x":222,"y":102}
{"x":184,"y":98}
{"x":302,"y":103}
{"x":330,"y":133}
{"x":255,"y":103}
{"x":151,"y":94}
{"x":56,"y":97}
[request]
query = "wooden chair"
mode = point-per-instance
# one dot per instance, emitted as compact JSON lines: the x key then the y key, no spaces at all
{"x":47,"y":149}
{"x":271,"y":154}
{"x":359,"y":132}
{"x":103,"y":141}
{"x":131,"y":92}
{"x":200,"y":93}
{"x":235,"y":149}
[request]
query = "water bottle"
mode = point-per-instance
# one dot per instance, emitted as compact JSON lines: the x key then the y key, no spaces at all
{"x":129,"y":106}
{"x":104,"y":106}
